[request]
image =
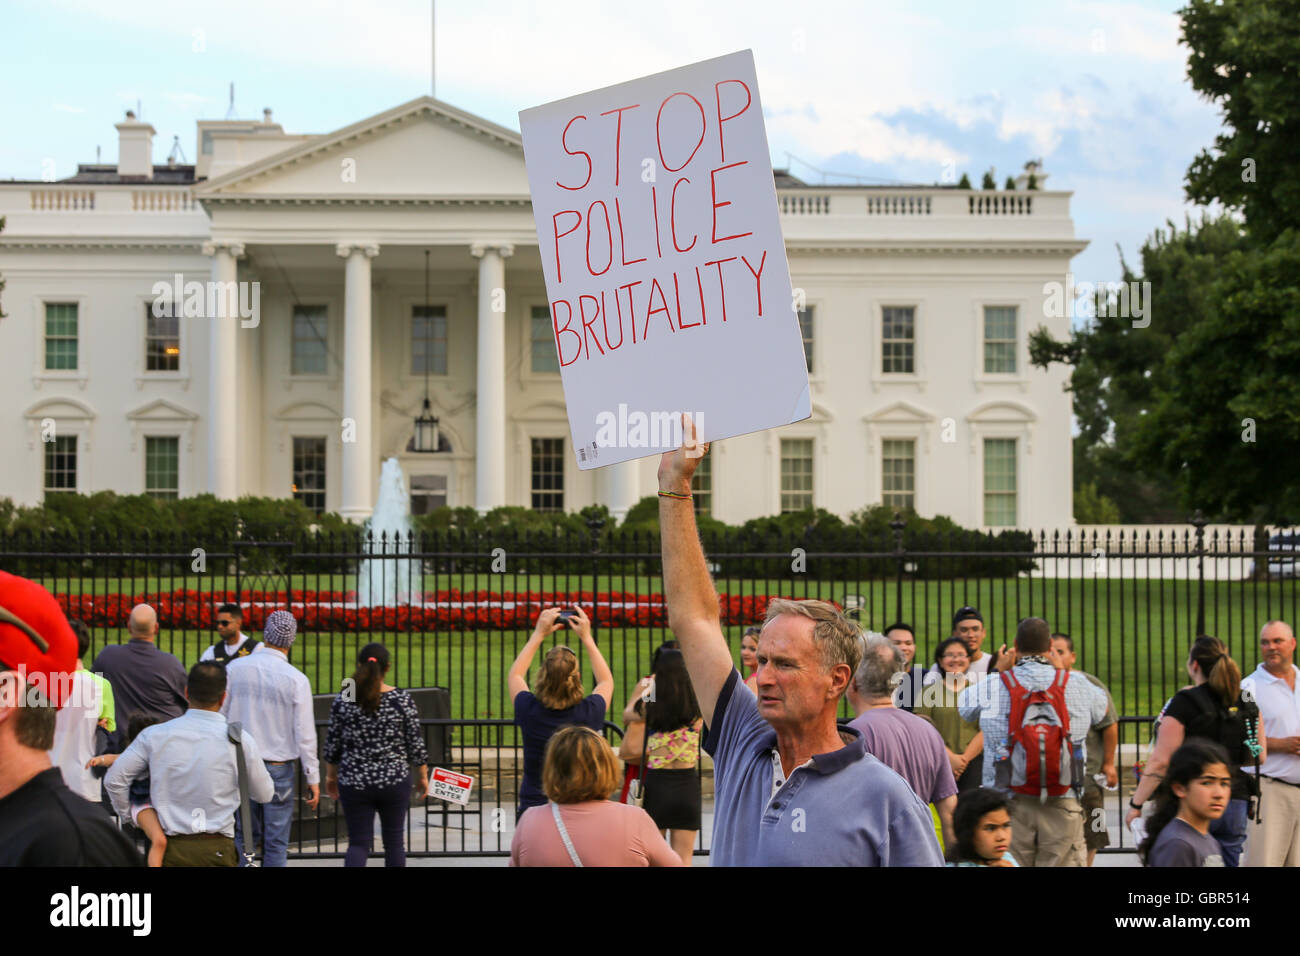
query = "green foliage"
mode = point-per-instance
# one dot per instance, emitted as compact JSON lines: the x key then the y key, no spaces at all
{"x":1032,"y":183}
{"x":988,"y":182}
{"x":1010,"y":185}
{"x":964,"y":182}
{"x":1243,"y":58}
{"x":1090,"y":507}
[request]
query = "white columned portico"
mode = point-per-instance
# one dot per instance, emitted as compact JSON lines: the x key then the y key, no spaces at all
{"x":223,"y":380}
{"x":357,"y":499}
{"x":490,"y":415}
{"x":622,"y":488}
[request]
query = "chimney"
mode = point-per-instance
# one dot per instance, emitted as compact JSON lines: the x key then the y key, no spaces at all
{"x":135,"y":147}
{"x":266,"y":115}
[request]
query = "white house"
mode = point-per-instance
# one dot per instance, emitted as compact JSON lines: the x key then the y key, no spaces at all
{"x":919,"y":305}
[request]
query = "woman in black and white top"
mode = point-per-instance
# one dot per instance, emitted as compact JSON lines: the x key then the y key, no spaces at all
{"x":374,"y":738}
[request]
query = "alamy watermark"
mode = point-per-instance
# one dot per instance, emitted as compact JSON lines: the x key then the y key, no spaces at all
{"x":641,"y":429}
{"x":1125,"y":300}
{"x":208,"y":300}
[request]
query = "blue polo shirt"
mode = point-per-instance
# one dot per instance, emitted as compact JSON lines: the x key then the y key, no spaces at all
{"x":846,"y":808}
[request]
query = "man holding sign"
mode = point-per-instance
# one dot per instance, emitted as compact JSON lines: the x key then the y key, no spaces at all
{"x":791,"y":787}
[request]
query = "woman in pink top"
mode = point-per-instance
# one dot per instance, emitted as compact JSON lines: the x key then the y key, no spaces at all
{"x":580,"y":826}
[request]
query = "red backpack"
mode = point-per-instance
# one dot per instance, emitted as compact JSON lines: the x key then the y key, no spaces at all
{"x":1040,"y":760}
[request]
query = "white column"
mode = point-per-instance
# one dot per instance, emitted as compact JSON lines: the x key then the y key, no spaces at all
{"x":490,"y":415}
{"x":622,"y":486}
{"x":223,"y":378}
{"x":357,"y":500}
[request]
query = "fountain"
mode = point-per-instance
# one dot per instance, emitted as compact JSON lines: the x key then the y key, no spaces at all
{"x":387,"y":580}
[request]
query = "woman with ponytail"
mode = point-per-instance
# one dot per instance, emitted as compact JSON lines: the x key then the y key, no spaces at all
{"x":1212,"y":709}
{"x":557,"y":698}
{"x":373,"y":740}
{"x":1194,"y":794}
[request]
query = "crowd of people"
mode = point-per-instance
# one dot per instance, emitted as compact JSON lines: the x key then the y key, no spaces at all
{"x":980,"y":758}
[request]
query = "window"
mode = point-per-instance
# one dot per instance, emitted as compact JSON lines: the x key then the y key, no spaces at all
{"x":806,"y":330}
{"x":161,"y":467}
{"x":999,"y":482}
{"x":60,"y":336}
{"x":898,"y":339}
{"x":310,"y":340}
{"x":702,"y":487}
{"x":796,"y":474}
{"x":61,"y":464}
{"x":999,"y":339}
{"x":548,"y":474}
{"x":309,"y":472}
{"x":429,"y":339}
{"x":898,"y":472}
{"x":162,"y":338}
{"x":545,"y":358}
{"x":427,"y":493}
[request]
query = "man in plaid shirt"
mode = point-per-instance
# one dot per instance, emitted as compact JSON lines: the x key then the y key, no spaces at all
{"x":1046,"y":833}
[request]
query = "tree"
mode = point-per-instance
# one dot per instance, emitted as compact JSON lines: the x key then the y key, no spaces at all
{"x":1033,"y":182}
{"x":1093,"y":508}
{"x":989,"y":182}
{"x":1243,"y":57}
{"x":964,"y":182}
{"x":1010,"y":184}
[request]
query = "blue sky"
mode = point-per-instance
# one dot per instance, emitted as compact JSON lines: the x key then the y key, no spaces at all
{"x":896,"y":92}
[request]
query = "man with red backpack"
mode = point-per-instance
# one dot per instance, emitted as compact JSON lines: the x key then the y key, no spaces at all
{"x":1035,"y":718}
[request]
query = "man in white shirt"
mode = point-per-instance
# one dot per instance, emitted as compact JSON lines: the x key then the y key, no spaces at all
{"x":234,"y":642}
{"x":1274,"y":840}
{"x":193,"y":775}
{"x":272,"y":699}
{"x":968,"y":626}
{"x":89,"y":705}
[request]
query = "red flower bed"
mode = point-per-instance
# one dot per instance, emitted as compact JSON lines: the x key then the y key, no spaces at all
{"x":441,"y":610}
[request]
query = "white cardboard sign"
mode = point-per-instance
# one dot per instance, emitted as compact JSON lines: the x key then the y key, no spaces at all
{"x":666,"y":273}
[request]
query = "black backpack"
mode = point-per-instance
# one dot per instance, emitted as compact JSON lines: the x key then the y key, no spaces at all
{"x":1231,"y":727}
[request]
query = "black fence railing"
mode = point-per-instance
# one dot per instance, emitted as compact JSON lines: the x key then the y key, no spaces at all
{"x":458,"y":607}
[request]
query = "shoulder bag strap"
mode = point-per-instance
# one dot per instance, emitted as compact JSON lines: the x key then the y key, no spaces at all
{"x":564,"y":834}
{"x":235,"y":732}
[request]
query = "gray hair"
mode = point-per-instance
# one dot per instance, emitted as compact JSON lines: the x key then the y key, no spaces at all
{"x":876,"y":676}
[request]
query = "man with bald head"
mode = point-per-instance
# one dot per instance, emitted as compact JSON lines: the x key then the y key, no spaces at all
{"x":145,"y":680}
{"x":1275,"y":835}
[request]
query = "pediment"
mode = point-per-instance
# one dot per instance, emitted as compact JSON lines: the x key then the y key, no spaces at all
{"x":1002,"y":411}
{"x":421,"y":148}
{"x":161,"y":410}
{"x":899,"y":413}
{"x":307,"y":411}
{"x":65,"y":409}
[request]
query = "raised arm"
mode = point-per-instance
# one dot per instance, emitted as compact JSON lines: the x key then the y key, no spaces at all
{"x":604,"y":676}
{"x":692,"y":599}
{"x":517,"y":676}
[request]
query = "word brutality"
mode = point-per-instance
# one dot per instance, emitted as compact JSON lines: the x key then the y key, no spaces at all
{"x":647,"y":217}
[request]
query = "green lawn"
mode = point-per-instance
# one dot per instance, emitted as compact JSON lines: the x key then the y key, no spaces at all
{"x":1132,"y":634}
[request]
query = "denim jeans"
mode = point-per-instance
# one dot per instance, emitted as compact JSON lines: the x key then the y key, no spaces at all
{"x":1230,"y":831}
{"x":271,"y":821}
{"x":359,"y":808}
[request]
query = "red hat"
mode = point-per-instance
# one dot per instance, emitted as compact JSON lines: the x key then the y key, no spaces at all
{"x":35,"y":636}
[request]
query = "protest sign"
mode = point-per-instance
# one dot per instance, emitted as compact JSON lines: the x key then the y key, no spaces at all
{"x":665,"y":267}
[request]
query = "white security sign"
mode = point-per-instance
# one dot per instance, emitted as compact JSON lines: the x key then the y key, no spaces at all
{"x":665,"y":266}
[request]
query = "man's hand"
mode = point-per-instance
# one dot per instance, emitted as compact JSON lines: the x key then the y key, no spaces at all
{"x":1004,"y":659}
{"x":958,"y":763}
{"x":676,"y":468}
{"x":313,"y":799}
{"x":1112,"y":775}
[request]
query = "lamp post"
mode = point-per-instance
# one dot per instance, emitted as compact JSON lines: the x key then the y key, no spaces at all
{"x":426,"y":423}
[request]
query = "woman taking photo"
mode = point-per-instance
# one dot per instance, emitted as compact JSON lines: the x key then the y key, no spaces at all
{"x":672,"y":748}
{"x":632,"y":746}
{"x":581,"y":826}
{"x":557,"y":699}
{"x":374,"y":739}
{"x":1194,"y":793}
{"x":1211,"y":709}
{"x":938,"y":702}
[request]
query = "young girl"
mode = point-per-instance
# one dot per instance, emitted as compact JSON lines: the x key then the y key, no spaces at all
{"x":143,"y":814}
{"x":1193,"y":794}
{"x":982,"y":821}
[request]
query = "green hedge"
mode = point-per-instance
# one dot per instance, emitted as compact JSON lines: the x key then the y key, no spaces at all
{"x":464,"y":540}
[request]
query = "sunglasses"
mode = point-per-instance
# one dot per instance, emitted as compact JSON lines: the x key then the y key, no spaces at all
{"x":9,"y":617}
